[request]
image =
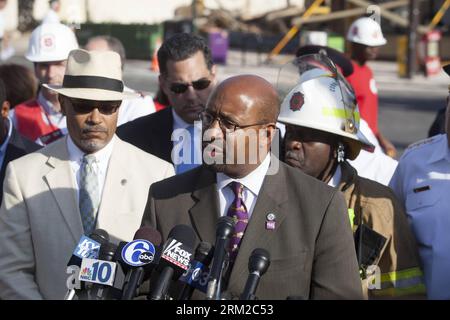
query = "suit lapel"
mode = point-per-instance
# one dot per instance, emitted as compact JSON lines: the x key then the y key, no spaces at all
{"x":205,"y":211}
{"x":116,"y":176}
{"x":270,"y":199}
{"x":60,"y":180}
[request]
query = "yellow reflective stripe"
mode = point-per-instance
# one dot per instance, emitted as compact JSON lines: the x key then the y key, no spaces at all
{"x":395,"y":292}
{"x":338,"y":113}
{"x":399,"y":275}
{"x":351,"y":216}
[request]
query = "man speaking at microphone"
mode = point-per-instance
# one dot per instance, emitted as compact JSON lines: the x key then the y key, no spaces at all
{"x":298,"y":220}
{"x":90,"y":179}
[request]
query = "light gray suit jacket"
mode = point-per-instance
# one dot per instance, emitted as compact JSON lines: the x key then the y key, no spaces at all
{"x":312,"y":249}
{"x":40,"y":222}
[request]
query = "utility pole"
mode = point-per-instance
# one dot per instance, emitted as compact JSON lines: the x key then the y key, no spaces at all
{"x":412,"y":37}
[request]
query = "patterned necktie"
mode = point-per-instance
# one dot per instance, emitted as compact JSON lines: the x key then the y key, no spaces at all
{"x":89,"y":193}
{"x":183,"y":167}
{"x":239,"y":213}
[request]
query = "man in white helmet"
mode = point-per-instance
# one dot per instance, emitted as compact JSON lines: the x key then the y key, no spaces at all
{"x":41,"y":119}
{"x":366,"y":37}
{"x":322,"y":132}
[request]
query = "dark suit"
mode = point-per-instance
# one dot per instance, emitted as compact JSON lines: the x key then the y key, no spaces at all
{"x":312,"y":249}
{"x":18,"y":146}
{"x":151,"y":133}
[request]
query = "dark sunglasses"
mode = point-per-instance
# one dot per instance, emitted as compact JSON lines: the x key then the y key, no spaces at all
{"x":87,"y":106}
{"x":179,"y":88}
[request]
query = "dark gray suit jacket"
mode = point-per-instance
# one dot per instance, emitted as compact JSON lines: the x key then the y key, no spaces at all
{"x":18,"y":146}
{"x":312,"y":249}
{"x":151,"y":133}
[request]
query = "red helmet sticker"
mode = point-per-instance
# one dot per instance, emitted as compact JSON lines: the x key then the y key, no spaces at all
{"x":297,"y":101}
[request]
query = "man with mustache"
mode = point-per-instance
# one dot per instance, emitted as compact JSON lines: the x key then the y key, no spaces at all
{"x":322,"y":132}
{"x":297,"y":219}
{"x":187,"y":76}
{"x":89,"y":179}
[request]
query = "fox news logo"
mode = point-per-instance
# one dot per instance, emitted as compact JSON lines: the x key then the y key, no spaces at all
{"x":87,"y":248}
{"x":175,"y":254}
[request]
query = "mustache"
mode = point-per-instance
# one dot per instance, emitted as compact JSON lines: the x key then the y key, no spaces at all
{"x":292,"y":155}
{"x":89,"y":128}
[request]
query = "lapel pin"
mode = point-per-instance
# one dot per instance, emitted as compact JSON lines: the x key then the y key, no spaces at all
{"x":270,"y":221}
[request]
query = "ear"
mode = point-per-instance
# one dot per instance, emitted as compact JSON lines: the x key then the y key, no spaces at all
{"x":162,"y":84}
{"x":213,"y":73}
{"x":5,"y":108}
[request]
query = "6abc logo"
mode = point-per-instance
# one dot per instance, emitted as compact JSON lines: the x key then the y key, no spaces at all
{"x":138,"y":253}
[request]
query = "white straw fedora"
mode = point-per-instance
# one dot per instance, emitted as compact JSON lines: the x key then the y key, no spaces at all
{"x":93,"y":75}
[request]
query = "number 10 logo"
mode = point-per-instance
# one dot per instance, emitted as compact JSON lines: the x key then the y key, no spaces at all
{"x":98,"y":271}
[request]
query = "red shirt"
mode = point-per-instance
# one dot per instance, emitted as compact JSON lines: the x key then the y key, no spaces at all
{"x":366,"y":92}
{"x":30,"y":124}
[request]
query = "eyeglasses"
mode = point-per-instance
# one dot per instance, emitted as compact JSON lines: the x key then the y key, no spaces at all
{"x":179,"y":88}
{"x":82,"y":106}
{"x":208,"y":119}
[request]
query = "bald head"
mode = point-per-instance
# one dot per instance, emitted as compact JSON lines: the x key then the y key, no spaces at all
{"x":255,"y":95}
{"x":246,"y":108}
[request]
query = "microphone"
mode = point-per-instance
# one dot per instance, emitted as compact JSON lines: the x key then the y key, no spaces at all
{"x":175,"y":259}
{"x":197,"y":275}
{"x":258,"y":263}
{"x":87,"y":247}
{"x":139,"y":257}
{"x":224,"y":231}
{"x":104,"y":292}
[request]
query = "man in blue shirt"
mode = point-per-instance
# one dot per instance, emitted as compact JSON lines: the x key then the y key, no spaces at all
{"x":421,"y":181}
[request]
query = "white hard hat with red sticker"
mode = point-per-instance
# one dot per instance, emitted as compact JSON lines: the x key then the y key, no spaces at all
{"x":322,"y":100}
{"x":366,"y":31}
{"x":51,"y":42}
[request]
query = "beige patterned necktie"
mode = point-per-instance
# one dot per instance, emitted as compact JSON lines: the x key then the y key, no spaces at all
{"x":89,"y":193}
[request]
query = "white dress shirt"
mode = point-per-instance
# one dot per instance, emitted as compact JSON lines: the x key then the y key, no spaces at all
{"x":134,"y":108}
{"x":101,"y":165}
{"x":375,"y":165}
{"x":252,"y":185}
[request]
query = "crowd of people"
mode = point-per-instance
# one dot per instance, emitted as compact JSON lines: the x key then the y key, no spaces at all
{"x":300,"y":166}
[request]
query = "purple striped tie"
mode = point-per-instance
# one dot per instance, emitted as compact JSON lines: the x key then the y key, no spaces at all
{"x":239,"y":213}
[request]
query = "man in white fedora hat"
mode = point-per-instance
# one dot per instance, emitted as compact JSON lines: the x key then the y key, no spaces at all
{"x":89,"y":179}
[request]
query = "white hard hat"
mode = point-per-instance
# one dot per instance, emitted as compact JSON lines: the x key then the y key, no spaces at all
{"x":51,"y":42}
{"x":366,"y":31}
{"x":321,"y":101}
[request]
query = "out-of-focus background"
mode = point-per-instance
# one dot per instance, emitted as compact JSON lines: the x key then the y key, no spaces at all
{"x":255,"y":36}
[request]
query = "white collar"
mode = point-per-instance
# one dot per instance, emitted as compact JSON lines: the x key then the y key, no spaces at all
{"x":253,"y":181}
{"x":179,"y":123}
{"x":336,"y":178}
{"x":102,"y":156}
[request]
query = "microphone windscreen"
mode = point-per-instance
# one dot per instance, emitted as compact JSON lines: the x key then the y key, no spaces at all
{"x":149,"y":234}
{"x":100,"y":235}
{"x":183,"y":234}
